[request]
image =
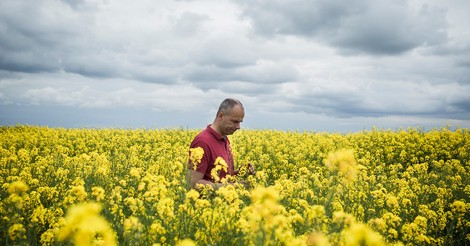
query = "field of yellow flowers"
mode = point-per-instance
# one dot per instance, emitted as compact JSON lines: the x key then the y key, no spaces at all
{"x":128,"y":187}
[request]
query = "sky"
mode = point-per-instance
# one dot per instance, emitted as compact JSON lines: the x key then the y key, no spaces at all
{"x":316,"y":65}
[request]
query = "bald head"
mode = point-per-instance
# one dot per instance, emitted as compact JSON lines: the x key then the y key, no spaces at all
{"x":228,"y":104}
{"x":229,"y":116}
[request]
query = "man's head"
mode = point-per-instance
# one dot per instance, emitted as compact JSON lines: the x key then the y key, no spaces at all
{"x":229,"y":116}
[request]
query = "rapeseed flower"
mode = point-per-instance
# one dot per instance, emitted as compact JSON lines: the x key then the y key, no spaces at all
{"x":220,"y":165}
{"x":361,"y":235}
{"x":410,"y":186}
{"x":17,"y":187}
{"x":135,"y":172}
{"x":133,"y":229}
{"x":186,"y":242}
{"x":344,"y":163}
{"x":84,"y":226}
{"x":195,"y":156}
{"x":317,"y":239}
{"x":76,"y":194}
{"x":98,"y":193}
{"x":17,"y":232}
{"x":156,"y":230}
{"x":458,"y":207}
{"x":165,"y":208}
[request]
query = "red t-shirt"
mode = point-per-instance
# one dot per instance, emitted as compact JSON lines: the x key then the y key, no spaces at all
{"x":214,"y":145}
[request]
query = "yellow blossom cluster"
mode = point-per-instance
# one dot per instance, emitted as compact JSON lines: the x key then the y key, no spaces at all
{"x":195,"y":156}
{"x":129,"y":187}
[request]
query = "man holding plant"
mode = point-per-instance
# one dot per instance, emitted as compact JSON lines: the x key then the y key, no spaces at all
{"x":211,"y":159}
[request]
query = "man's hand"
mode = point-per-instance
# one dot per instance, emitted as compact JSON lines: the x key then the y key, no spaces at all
{"x":251,"y":169}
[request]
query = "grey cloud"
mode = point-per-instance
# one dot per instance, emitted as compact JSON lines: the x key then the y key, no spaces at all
{"x":247,"y":88}
{"x":382,"y":99}
{"x":387,"y":28}
{"x":462,"y":108}
{"x":372,"y":27}
{"x":262,"y":72}
{"x":189,"y":23}
{"x":34,"y":38}
{"x":80,"y":5}
{"x":458,"y":60}
{"x":67,"y":36}
{"x":269,"y":72}
{"x":299,"y":17}
{"x":26,"y":62}
{"x":225,"y":52}
{"x":90,"y":65}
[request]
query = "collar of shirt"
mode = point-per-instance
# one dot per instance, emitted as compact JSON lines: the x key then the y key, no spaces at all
{"x":215,"y":134}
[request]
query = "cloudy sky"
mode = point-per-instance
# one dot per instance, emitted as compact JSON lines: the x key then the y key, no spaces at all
{"x":324,"y":65}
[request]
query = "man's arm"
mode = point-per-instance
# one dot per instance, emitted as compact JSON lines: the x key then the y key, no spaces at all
{"x":195,"y":177}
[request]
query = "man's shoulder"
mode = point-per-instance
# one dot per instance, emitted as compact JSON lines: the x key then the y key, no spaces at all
{"x":202,"y":138}
{"x":203,"y":134}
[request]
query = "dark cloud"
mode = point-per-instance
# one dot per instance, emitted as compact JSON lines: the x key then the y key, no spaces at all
{"x":34,"y":38}
{"x":299,"y":17}
{"x":225,"y":52}
{"x":372,"y":27}
{"x":262,"y":73}
{"x":382,"y":100}
{"x":458,"y":57}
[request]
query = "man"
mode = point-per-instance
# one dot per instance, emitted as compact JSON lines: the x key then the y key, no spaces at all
{"x":215,"y":143}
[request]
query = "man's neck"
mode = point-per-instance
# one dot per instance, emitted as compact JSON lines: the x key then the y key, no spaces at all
{"x":216,"y":129}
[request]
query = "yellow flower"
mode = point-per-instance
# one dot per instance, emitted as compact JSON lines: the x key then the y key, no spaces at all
{"x":266,"y":218}
{"x":421,"y":222}
{"x":317,"y":239}
{"x":135,"y":172}
{"x":392,"y":202}
{"x":342,"y":218}
{"x":98,"y":193}
{"x":186,"y":242}
{"x":48,"y":237}
{"x":141,"y":186}
{"x":261,"y":194}
{"x":378,"y":224}
{"x":84,"y":226}
{"x":361,"y":235}
{"x":344,"y":163}
{"x":219,"y":164}
{"x":17,"y":232}
{"x":156,"y":229}
{"x":133,"y":227}
{"x":458,"y":207}
{"x":17,"y":187}
{"x":38,"y":216}
{"x":165,"y":208}
{"x":195,"y":156}
{"x":192,"y":195}
{"x":229,"y":193}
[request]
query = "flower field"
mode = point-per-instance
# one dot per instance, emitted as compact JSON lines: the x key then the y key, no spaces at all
{"x":128,"y":187}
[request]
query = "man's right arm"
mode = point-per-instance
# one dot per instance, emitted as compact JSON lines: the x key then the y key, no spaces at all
{"x":195,"y":177}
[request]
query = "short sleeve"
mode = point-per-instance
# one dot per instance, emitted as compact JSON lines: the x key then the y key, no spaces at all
{"x":203,"y":166}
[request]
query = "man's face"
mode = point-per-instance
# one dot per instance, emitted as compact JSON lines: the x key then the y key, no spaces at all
{"x":230,"y":122}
